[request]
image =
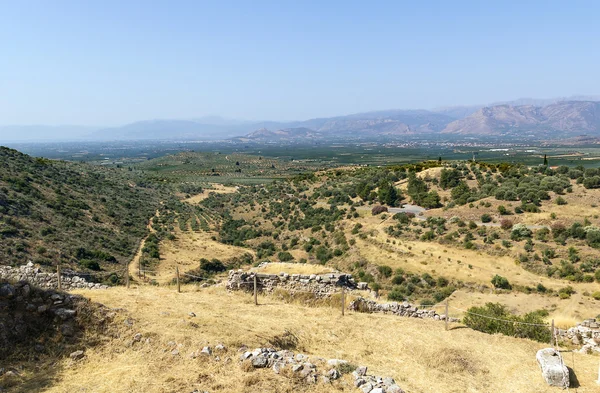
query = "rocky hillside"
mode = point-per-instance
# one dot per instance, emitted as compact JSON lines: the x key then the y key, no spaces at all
{"x":558,"y":119}
{"x":36,"y":322}
{"x":562,"y":118}
{"x":92,"y":218}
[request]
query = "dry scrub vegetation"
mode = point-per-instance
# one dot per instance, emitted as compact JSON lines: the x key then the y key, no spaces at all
{"x":419,"y":354}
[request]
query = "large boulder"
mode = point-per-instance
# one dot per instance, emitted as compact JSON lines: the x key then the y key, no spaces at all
{"x":554,"y":370}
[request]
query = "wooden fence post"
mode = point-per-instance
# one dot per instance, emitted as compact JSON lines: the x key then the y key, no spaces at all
{"x":255,"y":291}
{"x":552,"y":333}
{"x":58,"y":276}
{"x":343,"y":300}
{"x":178,"y":285}
{"x":447,"y":317}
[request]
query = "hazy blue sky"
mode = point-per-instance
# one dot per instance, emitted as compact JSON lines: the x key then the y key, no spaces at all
{"x":112,"y":62}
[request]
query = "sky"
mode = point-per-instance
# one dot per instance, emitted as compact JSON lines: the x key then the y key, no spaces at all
{"x":113,"y":62}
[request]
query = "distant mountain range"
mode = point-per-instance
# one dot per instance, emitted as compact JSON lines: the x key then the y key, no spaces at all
{"x":538,"y":118}
{"x":568,"y":118}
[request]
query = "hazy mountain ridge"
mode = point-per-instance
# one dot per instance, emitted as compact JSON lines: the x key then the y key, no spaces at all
{"x":571,"y":118}
{"x":579,"y":115}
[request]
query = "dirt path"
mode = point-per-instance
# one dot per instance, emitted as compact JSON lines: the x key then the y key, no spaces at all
{"x":133,"y":266}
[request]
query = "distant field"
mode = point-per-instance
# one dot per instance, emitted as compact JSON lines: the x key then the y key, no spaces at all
{"x":372,"y":153}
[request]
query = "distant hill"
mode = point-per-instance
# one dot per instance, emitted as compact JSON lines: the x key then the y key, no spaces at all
{"x":288,"y":133}
{"x":169,"y":129}
{"x":91,"y":217}
{"x":561,"y":118}
{"x":502,"y":118}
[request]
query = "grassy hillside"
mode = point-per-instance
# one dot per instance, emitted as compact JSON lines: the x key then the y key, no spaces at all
{"x":89,"y":218}
{"x":419,"y":354}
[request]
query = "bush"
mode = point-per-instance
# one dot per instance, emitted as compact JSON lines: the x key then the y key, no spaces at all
{"x":378,"y":209}
{"x":596,"y":295}
{"x":89,"y":264}
{"x":500,"y":282}
{"x":495,"y":318}
{"x":561,"y":201}
{"x":385,"y":271}
{"x":506,"y":224}
{"x":285,"y":256}
{"x":398,"y":279}
{"x":486,"y":218}
{"x":520,"y":231}
{"x":503,"y":211}
{"x":396,"y":294}
{"x":566,"y":292}
{"x":212,"y":266}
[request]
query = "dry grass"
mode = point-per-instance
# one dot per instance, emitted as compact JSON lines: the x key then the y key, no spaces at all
{"x":419,"y":354}
{"x":216,"y":188}
{"x":565,"y":312}
{"x":294,"y":268}
{"x":445,"y":260}
{"x":186,"y":251}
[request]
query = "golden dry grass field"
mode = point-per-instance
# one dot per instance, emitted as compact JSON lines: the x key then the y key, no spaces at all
{"x":419,"y":354}
{"x":215,"y":187}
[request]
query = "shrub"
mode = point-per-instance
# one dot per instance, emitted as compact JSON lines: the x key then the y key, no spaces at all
{"x":378,"y":209}
{"x":396,"y":294}
{"x":212,"y":266}
{"x":398,"y":279}
{"x":566,"y":292}
{"x":486,"y":218}
{"x":500,"y":282}
{"x":520,"y":231}
{"x":89,"y":264}
{"x":285,"y":256}
{"x":385,"y":271}
{"x":506,"y":224}
{"x":561,"y":201}
{"x":596,"y":295}
{"x":495,"y":318}
{"x":503,"y":211}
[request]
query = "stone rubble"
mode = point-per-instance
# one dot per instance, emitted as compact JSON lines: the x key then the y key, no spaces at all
{"x":307,"y":368}
{"x":403,"y":309}
{"x":322,"y":285}
{"x":44,"y":280}
{"x":586,"y":334}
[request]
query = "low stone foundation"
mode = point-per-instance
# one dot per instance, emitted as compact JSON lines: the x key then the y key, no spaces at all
{"x":31,"y":318}
{"x":404,"y":309}
{"x":37,"y":277}
{"x":323,"y":285}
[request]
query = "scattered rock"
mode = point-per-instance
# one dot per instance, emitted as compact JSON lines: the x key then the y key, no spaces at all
{"x":308,"y":371}
{"x":77,"y":355}
{"x":260,"y":361}
{"x":336,"y":362}
{"x":206,"y":351}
